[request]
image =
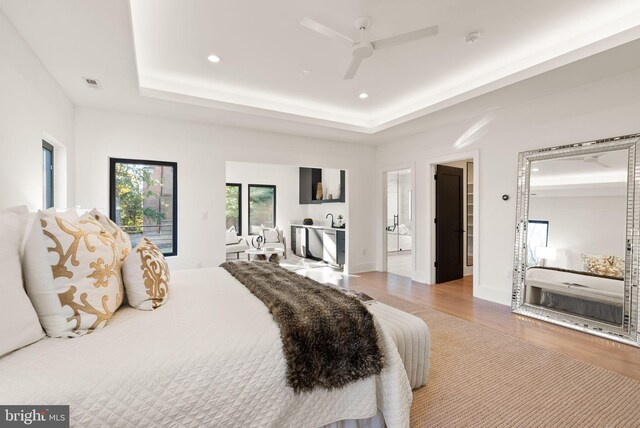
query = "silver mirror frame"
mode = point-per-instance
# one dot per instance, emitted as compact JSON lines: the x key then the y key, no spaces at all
{"x":628,"y":331}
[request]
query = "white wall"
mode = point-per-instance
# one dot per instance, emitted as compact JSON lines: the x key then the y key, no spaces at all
{"x":590,"y":225}
{"x":499,"y":128}
{"x":202,"y":152}
{"x":32,"y":108}
{"x":319,"y":213}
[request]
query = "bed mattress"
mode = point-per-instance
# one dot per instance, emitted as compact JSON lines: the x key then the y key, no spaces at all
{"x":211,"y":356}
{"x":412,"y":338}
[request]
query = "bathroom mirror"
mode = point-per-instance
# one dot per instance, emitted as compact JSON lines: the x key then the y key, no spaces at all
{"x":576,"y":262}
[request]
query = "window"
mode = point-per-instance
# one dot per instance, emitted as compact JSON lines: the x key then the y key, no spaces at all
{"x":537,"y":236}
{"x":144,"y":201}
{"x":262,"y":207}
{"x":47,"y":175}
{"x":234,"y":206}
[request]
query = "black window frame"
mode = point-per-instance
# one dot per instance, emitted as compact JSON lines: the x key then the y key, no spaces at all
{"x":112,"y":193}
{"x":270,"y":186}
{"x":49,"y":147}
{"x":239,"y":186}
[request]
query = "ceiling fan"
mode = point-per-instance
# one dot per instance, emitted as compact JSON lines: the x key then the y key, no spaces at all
{"x":364,"y":48}
{"x":588,"y":159}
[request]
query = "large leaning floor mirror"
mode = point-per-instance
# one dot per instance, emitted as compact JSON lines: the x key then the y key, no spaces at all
{"x":577,"y":237}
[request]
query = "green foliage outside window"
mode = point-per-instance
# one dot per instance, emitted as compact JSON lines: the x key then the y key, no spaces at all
{"x":133,"y":184}
{"x":233,"y":206}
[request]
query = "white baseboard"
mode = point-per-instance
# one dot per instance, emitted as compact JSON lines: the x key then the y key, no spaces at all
{"x":362,"y":267}
{"x":502,"y":297}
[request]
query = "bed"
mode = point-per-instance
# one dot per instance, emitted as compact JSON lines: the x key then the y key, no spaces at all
{"x":580,"y":293}
{"x":211,"y":356}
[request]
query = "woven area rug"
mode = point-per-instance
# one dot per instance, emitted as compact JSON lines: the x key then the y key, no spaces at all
{"x":483,"y":378}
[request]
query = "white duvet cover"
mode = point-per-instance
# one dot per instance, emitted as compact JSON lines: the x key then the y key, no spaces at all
{"x":211,"y":356}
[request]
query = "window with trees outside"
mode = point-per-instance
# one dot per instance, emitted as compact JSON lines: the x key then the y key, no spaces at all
{"x":262,"y":207}
{"x":144,"y":201}
{"x":234,"y":206}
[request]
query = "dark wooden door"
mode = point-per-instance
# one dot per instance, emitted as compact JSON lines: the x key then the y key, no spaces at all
{"x":449,"y":231}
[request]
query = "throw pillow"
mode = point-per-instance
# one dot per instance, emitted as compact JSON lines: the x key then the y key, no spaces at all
{"x":72,"y":273}
{"x":232,"y":235}
{"x":123,"y":242}
{"x":19,"y":325}
{"x":146,"y":276}
{"x":603,"y":265}
{"x":271,"y":235}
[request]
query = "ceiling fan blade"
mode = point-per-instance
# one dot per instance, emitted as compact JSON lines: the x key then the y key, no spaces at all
{"x":325,"y":31}
{"x":603,"y":164}
{"x":406,"y":37}
{"x":353,"y":68}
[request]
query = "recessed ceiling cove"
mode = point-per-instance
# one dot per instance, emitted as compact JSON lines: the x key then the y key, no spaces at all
{"x":272,"y":65}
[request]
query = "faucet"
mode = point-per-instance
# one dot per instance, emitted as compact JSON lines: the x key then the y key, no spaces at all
{"x":332,"y":225}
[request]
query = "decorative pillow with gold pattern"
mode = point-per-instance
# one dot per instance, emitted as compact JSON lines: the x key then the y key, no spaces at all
{"x":123,"y":242}
{"x":146,"y":277}
{"x":603,"y":265}
{"x":72,"y":273}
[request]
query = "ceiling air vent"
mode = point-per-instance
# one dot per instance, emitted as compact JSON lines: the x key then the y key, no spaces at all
{"x":92,"y":83}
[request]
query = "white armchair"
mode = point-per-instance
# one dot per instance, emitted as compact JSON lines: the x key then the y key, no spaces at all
{"x":235,"y":244}
{"x":239,"y":247}
{"x":272,"y":238}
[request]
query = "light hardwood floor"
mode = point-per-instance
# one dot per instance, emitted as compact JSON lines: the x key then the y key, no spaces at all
{"x":456,"y":298}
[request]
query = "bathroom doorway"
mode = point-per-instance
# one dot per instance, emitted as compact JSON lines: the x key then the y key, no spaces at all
{"x":399,"y":222}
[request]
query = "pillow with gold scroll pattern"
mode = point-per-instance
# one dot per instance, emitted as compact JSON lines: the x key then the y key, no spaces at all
{"x":146,"y":277}
{"x":123,"y":242}
{"x":603,"y":265}
{"x":72,"y":273}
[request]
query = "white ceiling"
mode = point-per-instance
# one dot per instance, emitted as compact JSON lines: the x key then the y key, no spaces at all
{"x":580,"y":176}
{"x":158,"y":49}
{"x":264,"y":50}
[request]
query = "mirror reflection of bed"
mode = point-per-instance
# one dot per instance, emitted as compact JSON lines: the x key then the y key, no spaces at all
{"x":577,"y":235}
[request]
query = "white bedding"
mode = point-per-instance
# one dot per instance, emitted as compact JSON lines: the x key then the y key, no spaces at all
{"x":210,"y":357}
{"x":589,"y":287}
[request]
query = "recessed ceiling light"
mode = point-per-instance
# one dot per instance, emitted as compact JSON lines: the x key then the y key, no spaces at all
{"x":363,"y":96}
{"x":214,"y":58}
{"x":305,"y":72}
{"x":472,"y":37}
{"x":535,"y":169}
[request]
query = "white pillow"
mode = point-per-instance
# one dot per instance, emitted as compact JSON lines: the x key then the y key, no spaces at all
{"x":146,"y":276}
{"x":271,"y":235}
{"x":72,"y":273}
{"x":232,"y":235}
{"x":19,"y":324}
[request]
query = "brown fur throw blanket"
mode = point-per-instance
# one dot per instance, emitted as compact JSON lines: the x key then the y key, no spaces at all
{"x":329,"y":339}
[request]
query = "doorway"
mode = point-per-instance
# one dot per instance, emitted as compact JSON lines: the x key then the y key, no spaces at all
{"x":454,"y":212}
{"x":399,"y":222}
